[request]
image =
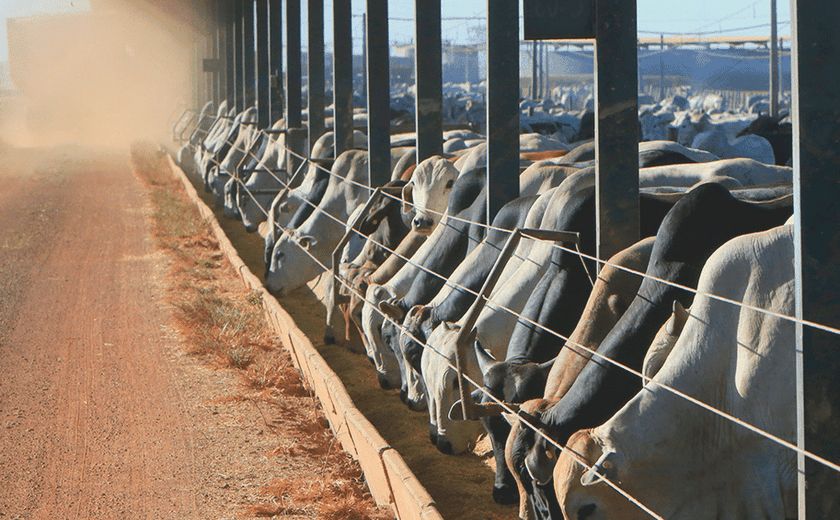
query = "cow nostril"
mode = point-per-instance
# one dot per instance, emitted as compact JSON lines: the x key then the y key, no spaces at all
{"x":421,"y":222}
{"x":586,"y":511}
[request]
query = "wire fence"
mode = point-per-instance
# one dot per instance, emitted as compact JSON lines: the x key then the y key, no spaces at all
{"x":567,"y":342}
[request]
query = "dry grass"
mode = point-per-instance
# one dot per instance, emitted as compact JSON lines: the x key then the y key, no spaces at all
{"x":225,"y":325}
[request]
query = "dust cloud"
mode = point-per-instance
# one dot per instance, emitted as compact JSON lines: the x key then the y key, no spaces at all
{"x":103,"y":78}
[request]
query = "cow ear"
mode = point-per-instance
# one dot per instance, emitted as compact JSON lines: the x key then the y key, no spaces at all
{"x":545,"y":368}
{"x":390,"y":310}
{"x":511,"y":418}
{"x":424,"y":314}
{"x":678,"y":318}
{"x":306,"y":241}
{"x":472,"y":335}
{"x":605,"y":468}
{"x":408,"y":198}
{"x":485,"y":360}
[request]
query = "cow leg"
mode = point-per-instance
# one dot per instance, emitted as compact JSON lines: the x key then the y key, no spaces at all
{"x":504,"y":488}
{"x":330,"y":304}
{"x":352,"y":341}
{"x":511,"y":460}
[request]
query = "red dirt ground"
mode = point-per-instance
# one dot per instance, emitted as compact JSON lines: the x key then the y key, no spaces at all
{"x":102,"y":412}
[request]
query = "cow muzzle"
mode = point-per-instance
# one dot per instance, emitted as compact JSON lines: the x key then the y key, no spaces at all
{"x":422,"y":224}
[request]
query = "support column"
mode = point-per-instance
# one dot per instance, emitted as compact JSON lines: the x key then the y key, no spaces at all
{"x":239,"y":45}
{"x":774,"y":62}
{"x":816,"y":162}
{"x":616,"y":127}
{"x":210,"y":76}
{"x":231,"y":55}
{"x":248,"y":57}
{"x":342,"y":75}
{"x":502,"y":104}
{"x":378,"y":93}
{"x":428,"y":74}
{"x":295,"y":135}
{"x":315,"y":64}
{"x":293,"y":64}
{"x":275,"y":42}
{"x":263,"y":84}
{"x":661,"y":67}
{"x":534,"y":70}
{"x":222,"y":53}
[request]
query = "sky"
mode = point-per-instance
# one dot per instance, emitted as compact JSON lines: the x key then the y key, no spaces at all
{"x":713,"y":17}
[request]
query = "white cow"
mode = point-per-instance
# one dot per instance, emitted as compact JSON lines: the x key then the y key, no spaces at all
{"x":428,"y":192}
{"x":749,"y":146}
{"x":732,"y":173}
{"x":689,"y":124}
{"x":430,"y":186}
{"x":292,"y":263}
{"x":384,"y":358}
{"x":268,"y":178}
{"x":414,"y":385}
{"x":682,"y":461}
{"x":245,"y":136}
{"x":700,"y":156}
{"x":494,"y":325}
{"x":280,"y":213}
{"x":205,"y":122}
{"x":207,"y":144}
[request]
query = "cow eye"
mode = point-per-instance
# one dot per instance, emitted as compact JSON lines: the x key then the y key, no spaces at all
{"x":449,"y":184}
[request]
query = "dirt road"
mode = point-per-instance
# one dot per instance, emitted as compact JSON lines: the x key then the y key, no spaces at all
{"x":101,"y":415}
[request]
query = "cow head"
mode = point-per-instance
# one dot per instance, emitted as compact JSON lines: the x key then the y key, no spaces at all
{"x":514,"y":381}
{"x":253,"y":206}
{"x":229,"y":208}
{"x":291,"y":266}
{"x":687,"y":125}
{"x":583,"y":492}
{"x":510,"y":381}
{"x":216,"y":182}
{"x":416,"y":328}
{"x":387,"y":366}
{"x":519,"y":442}
{"x":442,"y":391}
{"x":428,"y":192}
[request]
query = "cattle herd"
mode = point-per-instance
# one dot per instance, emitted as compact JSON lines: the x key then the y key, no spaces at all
{"x":629,"y":388}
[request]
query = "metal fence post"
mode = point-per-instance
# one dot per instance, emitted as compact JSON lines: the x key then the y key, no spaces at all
{"x":379,"y":93}
{"x":774,"y":63}
{"x":222,"y":53}
{"x":428,"y":76}
{"x":275,"y":57}
{"x":294,"y":135}
{"x":239,"y":69}
{"x":248,"y":54}
{"x":263,"y":83}
{"x":502,"y":104}
{"x":315,"y":70}
{"x":616,"y":127}
{"x":342,"y":75}
{"x":816,"y":160}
